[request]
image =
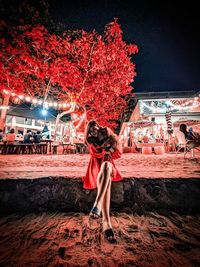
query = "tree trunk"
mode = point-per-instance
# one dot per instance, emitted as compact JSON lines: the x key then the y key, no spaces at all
{"x":5,"y":103}
{"x":59,"y":116}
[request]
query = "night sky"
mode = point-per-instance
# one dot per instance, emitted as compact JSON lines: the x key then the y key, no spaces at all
{"x":166,"y":33}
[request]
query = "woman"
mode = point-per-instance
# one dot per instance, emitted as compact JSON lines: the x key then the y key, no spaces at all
{"x":103,"y":147}
{"x":11,"y":136}
{"x":192,"y":138}
{"x":183,"y":129}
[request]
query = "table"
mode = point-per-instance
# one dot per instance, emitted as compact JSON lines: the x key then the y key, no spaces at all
{"x":48,"y":142}
{"x":17,"y":148}
{"x":69,"y":148}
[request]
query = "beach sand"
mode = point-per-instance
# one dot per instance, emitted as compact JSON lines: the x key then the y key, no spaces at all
{"x":75,"y":165}
{"x":73,"y":239}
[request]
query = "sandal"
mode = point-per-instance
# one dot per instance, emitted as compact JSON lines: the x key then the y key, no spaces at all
{"x":110,"y":235}
{"x":95,"y":213}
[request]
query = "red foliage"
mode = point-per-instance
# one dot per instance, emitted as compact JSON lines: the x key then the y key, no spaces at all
{"x":94,"y":70}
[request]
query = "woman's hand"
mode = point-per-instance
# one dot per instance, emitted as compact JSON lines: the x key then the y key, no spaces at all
{"x":107,"y":155}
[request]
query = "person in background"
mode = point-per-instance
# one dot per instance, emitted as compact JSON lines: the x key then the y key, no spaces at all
{"x":140,"y":137}
{"x":145,"y":138}
{"x":189,"y":135}
{"x":37,"y":137}
{"x":1,"y":135}
{"x":183,"y":129}
{"x":10,"y":137}
{"x":162,"y":138}
{"x":172,"y":142}
{"x":28,"y":137}
{"x":192,"y":138}
{"x":192,"y":135}
{"x":46,"y":132}
{"x":152,"y":139}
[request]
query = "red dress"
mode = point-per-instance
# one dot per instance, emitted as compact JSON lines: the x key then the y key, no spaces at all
{"x":90,"y":179}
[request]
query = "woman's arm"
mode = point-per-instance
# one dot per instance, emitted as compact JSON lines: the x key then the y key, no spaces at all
{"x":115,"y":148}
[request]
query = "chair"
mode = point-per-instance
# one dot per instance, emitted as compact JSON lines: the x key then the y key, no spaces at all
{"x":69,"y":148}
{"x":183,"y":143}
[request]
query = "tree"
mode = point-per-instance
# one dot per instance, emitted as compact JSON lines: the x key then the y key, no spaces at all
{"x":106,"y":73}
{"x":93,"y":70}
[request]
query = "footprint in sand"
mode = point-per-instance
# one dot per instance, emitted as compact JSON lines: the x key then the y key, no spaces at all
{"x":74,"y":233}
{"x":66,"y":233}
{"x":61,"y":252}
{"x":132,"y":228}
{"x":71,"y":234}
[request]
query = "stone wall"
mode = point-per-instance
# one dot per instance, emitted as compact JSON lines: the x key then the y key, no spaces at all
{"x":131,"y":195}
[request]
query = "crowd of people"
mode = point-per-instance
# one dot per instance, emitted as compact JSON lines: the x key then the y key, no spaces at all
{"x":171,"y":140}
{"x":28,"y":138}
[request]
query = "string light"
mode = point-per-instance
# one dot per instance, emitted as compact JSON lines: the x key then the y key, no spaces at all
{"x":27,"y":98}
{"x":4,"y":107}
{"x":81,"y":120}
{"x":192,"y":103}
{"x":34,"y":101}
{"x":44,"y":112}
{"x":40,"y":101}
{"x":77,"y":118}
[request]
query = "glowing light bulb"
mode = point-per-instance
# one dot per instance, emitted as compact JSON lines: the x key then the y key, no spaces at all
{"x":44,"y":112}
{"x":28,"y":99}
{"x":34,"y":100}
{"x":45,"y":104}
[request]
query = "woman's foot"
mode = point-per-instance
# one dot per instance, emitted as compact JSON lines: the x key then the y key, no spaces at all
{"x":95,"y":213}
{"x":109,"y":235}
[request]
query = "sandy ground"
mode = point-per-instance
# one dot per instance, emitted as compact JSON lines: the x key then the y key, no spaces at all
{"x":59,"y":239}
{"x":75,"y":165}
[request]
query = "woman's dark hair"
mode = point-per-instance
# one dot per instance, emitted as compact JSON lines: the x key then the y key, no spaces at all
{"x":12,"y":130}
{"x":102,"y":134}
{"x":91,"y":138}
{"x":90,"y":124}
{"x":88,"y":138}
{"x":183,"y":128}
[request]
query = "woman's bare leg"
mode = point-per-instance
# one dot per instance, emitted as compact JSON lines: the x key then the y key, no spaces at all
{"x":106,"y":211}
{"x":102,"y":201}
{"x":106,"y":208}
{"x":103,"y":180}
